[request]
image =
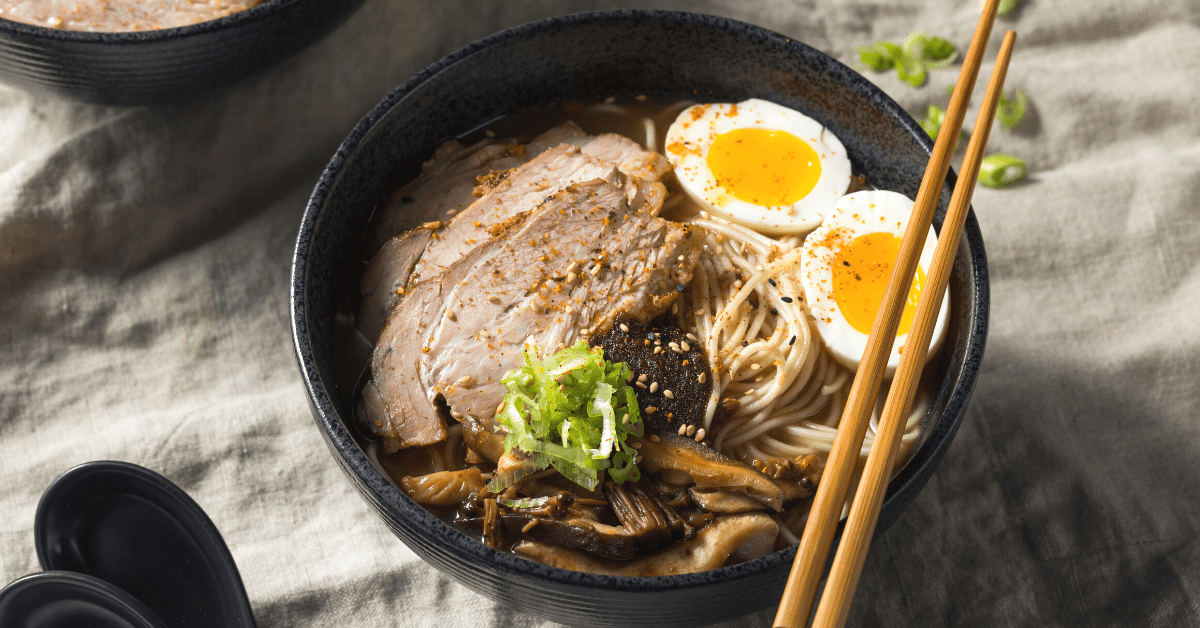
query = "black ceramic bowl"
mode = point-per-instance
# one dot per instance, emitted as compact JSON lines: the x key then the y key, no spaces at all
{"x":164,"y":66}
{"x":590,"y":56}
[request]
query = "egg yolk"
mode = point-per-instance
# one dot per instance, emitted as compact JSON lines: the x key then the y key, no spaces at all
{"x":860,"y":276}
{"x":764,"y":167}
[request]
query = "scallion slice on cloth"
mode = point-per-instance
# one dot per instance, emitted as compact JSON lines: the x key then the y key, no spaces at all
{"x":1010,"y":112}
{"x":999,"y":170}
{"x":568,"y":411}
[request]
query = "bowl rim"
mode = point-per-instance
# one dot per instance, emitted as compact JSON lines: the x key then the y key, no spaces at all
{"x":391,"y":498}
{"x":257,"y":13}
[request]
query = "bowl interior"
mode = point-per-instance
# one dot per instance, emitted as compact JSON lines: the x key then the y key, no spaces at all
{"x":589,"y":57}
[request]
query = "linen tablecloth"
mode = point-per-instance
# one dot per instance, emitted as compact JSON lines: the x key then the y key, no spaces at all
{"x":144,"y":257}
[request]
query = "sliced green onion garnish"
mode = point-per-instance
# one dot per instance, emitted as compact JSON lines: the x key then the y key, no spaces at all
{"x":999,"y":170}
{"x":1010,"y":112}
{"x":567,"y":411}
{"x":525,"y":502}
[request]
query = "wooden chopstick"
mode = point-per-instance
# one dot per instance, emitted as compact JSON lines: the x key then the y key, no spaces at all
{"x":860,"y":526}
{"x":811,"y":554}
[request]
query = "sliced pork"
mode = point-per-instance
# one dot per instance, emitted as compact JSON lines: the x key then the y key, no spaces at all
{"x":563,"y":270}
{"x":509,"y":179}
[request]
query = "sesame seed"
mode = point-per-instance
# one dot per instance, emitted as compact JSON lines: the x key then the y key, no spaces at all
{"x":691,"y":429}
{"x":654,"y":438}
{"x":595,"y":270}
{"x":493,"y":299}
{"x":637,"y":459}
{"x":625,"y":419}
{"x":629,"y":377}
{"x":571,"y":277}
{"x":642,"y":377}
{"x":786,"y":299}
{"x":774,"y":312}
{"x":771,"y":281}
{"x":651,"y":409}
{"x":650,"y":336}
{"x":657,"y":350}
{"x":452,"y":212}
{"x":451,"y":315}
{"x":754,"y":366}
{"x":624,"y":327}
{"x":679,"y":259}
{"x":464,"y":380}
{"x":568,"y":309}
{"x":699,"y":435}
{"x":685,"y":346}
{"x":668,"y":394}
{"x":680,"y":287}
{"x":700,"y":378}
{"x":792,"y":341}
{"x":573,"y":267}
{"x":682,"y":430}
{"x":653,"y":386}
{"x":674,"y":308}
{"x":636,"y":445}
{"x":640,"y":385}
{"x":456,"y":414}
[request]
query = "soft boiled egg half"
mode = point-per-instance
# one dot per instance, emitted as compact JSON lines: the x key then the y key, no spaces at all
{"x":845,"y":265}
{"x":758,"y":164}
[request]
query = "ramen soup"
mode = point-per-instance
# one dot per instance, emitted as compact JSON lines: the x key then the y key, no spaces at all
{"x":111,"y":16}
{"x":620,"y":336}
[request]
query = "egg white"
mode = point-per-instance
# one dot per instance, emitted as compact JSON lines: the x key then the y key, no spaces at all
{"x":856,"y":215}
{"x":692,"y":134}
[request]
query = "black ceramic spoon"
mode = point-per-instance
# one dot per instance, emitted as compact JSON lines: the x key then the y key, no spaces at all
{"x":63,"y":599}
{"x":133,"y":528}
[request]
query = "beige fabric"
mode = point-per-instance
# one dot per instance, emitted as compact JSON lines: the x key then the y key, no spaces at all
{"x":144,"y":261}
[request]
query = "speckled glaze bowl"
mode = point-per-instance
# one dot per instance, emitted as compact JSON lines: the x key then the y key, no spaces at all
{"x":166,"y":66}
{"x":590,"y":56}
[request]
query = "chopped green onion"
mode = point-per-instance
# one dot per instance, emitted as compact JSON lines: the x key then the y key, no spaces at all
{"x":999,"y":170}
{"x":912,"y":60}
{"x":566,"y":411}
{"x":935,"y":116}
{"x":884,"y":55}
{"x":524,"y":502}
{"x":911,"y":71}
{"x":933,"y":52}
{"x":1010,"y":112}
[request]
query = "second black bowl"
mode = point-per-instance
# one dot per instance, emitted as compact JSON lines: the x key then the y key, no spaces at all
{"x":164,"y":66}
